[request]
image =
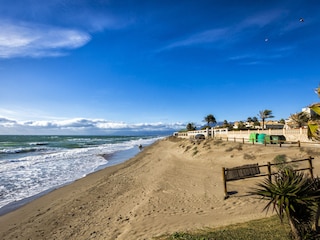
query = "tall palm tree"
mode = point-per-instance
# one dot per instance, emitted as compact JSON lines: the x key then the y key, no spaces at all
{"x":294,"y":195}
{"x":191,"y":127}
{"x":210,"y":119}
{"x":264,"y":115}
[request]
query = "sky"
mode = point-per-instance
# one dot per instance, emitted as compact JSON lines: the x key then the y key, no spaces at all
{"x":121,"y":67}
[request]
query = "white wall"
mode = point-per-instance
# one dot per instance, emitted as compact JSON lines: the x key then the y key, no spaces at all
{"x":290,"y":134}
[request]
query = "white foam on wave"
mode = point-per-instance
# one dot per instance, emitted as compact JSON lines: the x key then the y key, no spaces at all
{"x":34,"y":174}
{"x":30,"y":175}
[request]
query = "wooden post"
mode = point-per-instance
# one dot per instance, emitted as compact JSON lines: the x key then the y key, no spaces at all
{"x":310,"y":166}
{"x":280,"y":144}
{"x":224,"y":183}
{"x":299,"y":144}
{"x":234,"y":139}
{"x":243,"y":140}
{"x":227,"y":139}
{"x":269,"y":171}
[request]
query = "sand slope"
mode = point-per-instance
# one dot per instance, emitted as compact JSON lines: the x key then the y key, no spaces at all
{"x":173,"y":185}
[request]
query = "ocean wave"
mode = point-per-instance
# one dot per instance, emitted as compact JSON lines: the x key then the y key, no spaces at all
{"x":42,"y":167}
{"x":21,"y":150}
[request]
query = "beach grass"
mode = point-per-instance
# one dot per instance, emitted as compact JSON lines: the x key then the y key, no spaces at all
{"x":266,"y":228}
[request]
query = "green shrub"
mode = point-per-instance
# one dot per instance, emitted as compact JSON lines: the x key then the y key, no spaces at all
{"x":249,"y":156}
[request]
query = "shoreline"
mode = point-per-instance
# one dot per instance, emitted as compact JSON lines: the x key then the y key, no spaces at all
{"x":113,"y":159}
{"x":172,"y":185}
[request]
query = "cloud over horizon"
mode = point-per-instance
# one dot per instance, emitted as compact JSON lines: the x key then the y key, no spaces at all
{"x":83,"y":126}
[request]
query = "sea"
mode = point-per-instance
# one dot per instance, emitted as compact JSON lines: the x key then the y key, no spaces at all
{"x":31,"y":166}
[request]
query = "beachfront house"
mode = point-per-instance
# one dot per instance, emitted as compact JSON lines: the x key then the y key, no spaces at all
{"x":273,"y":125}
{"x":252,"y":125}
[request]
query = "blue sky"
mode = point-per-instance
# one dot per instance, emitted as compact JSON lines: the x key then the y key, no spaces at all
{"x":107,"y":66}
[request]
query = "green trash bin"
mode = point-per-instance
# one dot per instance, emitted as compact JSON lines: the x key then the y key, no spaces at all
{"x":267,"y":139}
{"x":253,"y":137}
{"x":282,"y":138}
{"x":276,"y":139}
{"x":261,"y":138}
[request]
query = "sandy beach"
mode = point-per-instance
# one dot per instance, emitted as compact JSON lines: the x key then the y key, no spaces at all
{"x":172,"y":185}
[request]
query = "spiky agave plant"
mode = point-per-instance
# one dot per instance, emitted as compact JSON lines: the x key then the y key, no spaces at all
{"x":316,"y":185}
{"x":293,"y":195}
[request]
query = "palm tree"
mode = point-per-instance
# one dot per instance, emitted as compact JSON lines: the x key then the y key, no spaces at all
{"x":210,"y":119}
{"x":191,"y":127}
{"x":294,"y":195}
{"x":300,"y":119}
{"x":264,"y":115}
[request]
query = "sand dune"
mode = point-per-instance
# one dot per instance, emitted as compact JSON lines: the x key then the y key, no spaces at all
{"x":172,"y":185}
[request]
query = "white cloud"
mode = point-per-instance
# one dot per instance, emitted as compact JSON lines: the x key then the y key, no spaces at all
{"x":7,"y":122}
{"x":255,"y":58}
{"x":208,"y":36}
{"x":82,"y":126}
{"x":230,"y":33}
{"x":260,"y":19}
{"x":34,"y":40}
{"x":51,"y":28}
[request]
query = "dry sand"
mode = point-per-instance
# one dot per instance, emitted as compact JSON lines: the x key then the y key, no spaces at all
{"x":172,"y":185}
